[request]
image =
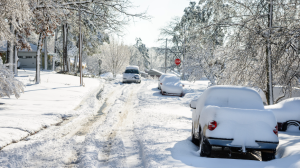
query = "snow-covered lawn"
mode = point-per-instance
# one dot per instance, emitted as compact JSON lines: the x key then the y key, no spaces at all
{"x":115,"y":125}
{"x":41,"y":105}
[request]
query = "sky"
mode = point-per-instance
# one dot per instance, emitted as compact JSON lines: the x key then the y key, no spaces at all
{"x":161,"y":11}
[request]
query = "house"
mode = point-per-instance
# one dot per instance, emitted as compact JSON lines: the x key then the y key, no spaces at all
{"x":154,"y":73}
{"x":27,"y":59}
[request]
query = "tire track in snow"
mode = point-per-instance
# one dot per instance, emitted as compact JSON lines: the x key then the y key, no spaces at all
{"x":101,"y":114}
{"x":80,"y":134}
{"x":122,"y":142}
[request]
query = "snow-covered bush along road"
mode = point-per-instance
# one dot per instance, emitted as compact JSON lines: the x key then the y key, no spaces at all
{"x":131,"y":125}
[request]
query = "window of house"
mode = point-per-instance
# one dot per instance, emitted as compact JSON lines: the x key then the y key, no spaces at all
{"x":20,"y":56}
{"x":28,"y":56}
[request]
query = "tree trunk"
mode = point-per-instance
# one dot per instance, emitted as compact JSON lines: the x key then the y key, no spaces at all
{"x":69,"y":63}
{"x":16,"y":61}
{"x":11,"y":54}
{"x":75,"y":64}
{"x":38,"y":54}
{"x":65,"y":48}
{"x":45,"y":54}
{"x":8,"y":51}
{"x":55,"y":49}
{"x":269,"y":92}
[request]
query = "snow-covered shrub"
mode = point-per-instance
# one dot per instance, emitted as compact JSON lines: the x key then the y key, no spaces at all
{"x":8,"y":84}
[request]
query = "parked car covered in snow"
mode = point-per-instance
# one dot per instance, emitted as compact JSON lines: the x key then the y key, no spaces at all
{"x":234,"y":117}
{"x":132,"y":74}
{"x":171,"y":85}
{"x":161,"y":78}
{"x":287,"y":113}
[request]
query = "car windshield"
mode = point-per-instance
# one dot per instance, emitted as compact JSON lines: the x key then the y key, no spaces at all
{"x":134,"y":71}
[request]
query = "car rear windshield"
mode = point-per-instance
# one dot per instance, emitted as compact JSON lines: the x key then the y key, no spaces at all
{"x":134,"y":71}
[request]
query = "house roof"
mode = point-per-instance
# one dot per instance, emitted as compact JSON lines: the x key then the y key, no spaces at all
{"x":3,"y":47}
{"x":154,"y":72}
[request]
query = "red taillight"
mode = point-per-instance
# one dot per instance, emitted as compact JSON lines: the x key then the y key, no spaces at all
{"x":276,"y":130}
{"x":160,"y":83}
{"x":212,"y":125}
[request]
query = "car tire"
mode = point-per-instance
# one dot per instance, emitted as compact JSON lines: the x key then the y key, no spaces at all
{"x":194,"y":140}
{"x":266,"y":156}
{"x":161,"y":91}
{"x":288,"y":123}
{"x":181,"y":95}
{"x":205,"y":147}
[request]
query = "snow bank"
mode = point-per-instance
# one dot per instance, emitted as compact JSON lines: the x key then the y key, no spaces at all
{"x":288,"y":109}
{"x":106,"y":75}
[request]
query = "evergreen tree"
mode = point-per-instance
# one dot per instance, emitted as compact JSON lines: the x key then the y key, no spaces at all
{"x":144,"y":53}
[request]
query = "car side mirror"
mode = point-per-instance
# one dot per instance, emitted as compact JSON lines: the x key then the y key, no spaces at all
{"x":193,"y":104}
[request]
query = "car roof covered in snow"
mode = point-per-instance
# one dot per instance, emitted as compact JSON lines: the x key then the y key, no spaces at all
{"x":132,"y":67}
{"x":285,"y":110}
{"x":170,"y":79}
{"x":164,"y":75}
{"x":230,"y":96}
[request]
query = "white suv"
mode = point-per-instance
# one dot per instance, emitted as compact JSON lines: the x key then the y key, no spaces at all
{"x":132,"y":74}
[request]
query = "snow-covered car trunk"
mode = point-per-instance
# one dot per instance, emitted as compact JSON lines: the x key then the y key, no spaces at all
{"x":171,"y":85}
{"x":231,"y":116}
{"x":245,"y":128}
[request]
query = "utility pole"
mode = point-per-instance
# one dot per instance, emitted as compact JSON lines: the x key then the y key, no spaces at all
{"x":15,"y":58}
{"x":269,"y":75}
{"x":182,"y":62}
{"x":166,"y":56}
{"x":80,"y":43}
{"x":45,"y":54}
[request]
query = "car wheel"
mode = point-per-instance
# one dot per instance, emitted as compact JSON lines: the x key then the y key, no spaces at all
{"x":267,"y":156}
{"x":289,"y":123}
{"x":205,"y":147}
{"x":181,"y":95}
{"x":194,"y":140}
{"x":161,"y":91}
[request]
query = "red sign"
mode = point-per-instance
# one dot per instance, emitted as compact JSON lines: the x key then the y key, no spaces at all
{"x":177,"y":61}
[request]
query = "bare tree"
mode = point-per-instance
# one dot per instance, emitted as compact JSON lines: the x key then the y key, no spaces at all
{"x":115,"y":56}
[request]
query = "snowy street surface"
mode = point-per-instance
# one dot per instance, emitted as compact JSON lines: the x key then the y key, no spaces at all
{"x":111,"y":124}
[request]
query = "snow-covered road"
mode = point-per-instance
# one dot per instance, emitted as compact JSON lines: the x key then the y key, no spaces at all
{"x":132,"y":125}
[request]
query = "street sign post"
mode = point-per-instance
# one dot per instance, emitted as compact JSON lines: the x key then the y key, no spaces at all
{"x":177,"y":61}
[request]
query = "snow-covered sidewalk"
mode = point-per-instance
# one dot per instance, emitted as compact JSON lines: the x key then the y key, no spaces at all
{"x":41,"y":105}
